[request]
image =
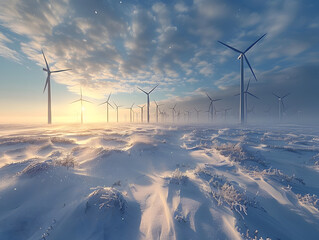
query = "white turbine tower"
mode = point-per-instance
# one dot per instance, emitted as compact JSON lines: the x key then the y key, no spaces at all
{"x":117,"y":111}
{"x":81,"y":100}
{"x":148,"y":101}
{"x":211,"y":106}
{"x":48,"y":83}
{"x":281,"y":104}
{"x":141,"y":107}
{"x":242,"y":56}
{"x":107,"y":106}
{"x":157,"y":110}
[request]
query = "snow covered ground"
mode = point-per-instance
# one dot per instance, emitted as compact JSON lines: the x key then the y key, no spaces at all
{"x":123,"y":181}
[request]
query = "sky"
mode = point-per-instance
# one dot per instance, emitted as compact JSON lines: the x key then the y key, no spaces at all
{"x":116,"y":46}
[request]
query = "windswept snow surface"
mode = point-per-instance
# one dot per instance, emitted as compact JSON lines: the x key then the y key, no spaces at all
{"x":122,"y":181}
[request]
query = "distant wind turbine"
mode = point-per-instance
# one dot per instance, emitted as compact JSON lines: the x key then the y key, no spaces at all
{"x":81,"y":100}
{"x":48,"y":83}
{"x":148,"y":101}
{"x":281,"y":104}
{"x":225,"y":112}
{"x":197,"y":113}
{"x":107,"y":106}
{"x":242,"y":56}
{"x":117,"y":111}
{"x":141,"y":107}
{"x":173,"y":112}
{"x":157,"y":109}
{"x":211,"y":105}
{"x":131,"y":113}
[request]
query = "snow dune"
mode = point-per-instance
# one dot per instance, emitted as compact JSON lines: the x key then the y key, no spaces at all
{"x":127,"y":181}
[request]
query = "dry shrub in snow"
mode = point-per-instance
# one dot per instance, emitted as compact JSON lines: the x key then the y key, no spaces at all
{"x":106,"y":198}
{"x":310,"y":200}
{"x":177,"y":178}
{"x":277,"y":175}
{"x":68,"y":162}
{"x":35,"y":169}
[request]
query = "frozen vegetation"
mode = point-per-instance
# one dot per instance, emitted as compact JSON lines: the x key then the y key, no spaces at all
{"x":122,"y":181}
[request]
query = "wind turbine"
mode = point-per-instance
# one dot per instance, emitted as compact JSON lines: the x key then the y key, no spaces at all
{"x":148,"y":101}
{"x":225,"y":112}
{"x":173,"y":111}
{"x":188,"y":115}
{"x":157,"y":109}
{"x":211,"y":105}
{"x":81,"y":100}
{"x":281,"y":103}
{"x":117,"y":111}
{"x":131,"y":112}
{"x":246,"y":93}
{"x":141,"y":107}
{"x":48,"y":83}
{"x":197,"y":113}
{"x":242,"y":56}
{"x":107,"y":106}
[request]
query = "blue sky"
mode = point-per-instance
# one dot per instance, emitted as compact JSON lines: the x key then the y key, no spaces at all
{"x":115,"y":46}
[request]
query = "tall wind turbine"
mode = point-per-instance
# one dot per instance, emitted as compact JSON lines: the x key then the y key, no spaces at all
{"x":148,"y":101}
{"x":117,"y":111}
{"x":107,"y":106}
{"x":81,"y":100}
{"x":173,"y":112}
{"x":157,"y":109}
{"x":281,"y":104}
{"x":242,"y":56}
{"x":141,"y":107}
{"x":211,"y":105}
{"x":48,"y":83}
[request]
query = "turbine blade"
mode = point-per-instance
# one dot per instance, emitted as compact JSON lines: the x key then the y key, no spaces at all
{"x":109,"y":97}
{"x":276,"y":95}
{"x":61,"y":70}
{"x":110,"y":105}
{"x":155,"y":103}
{"x":283,"y":105}
{"x":237,"y":94}
{"x":218,"y":99}
{"x":250,"y":67}
{"x":102,"y":103}
{"x":46,"y":83}
{"x":46,"y":63}
{"x":153,"y":89}
{"x":86,"y":101}
{"x":285,"y":95}
{"x":209,"y":97}
{"x":252,"y":95}
{"x":75,"y":101}
{"x":142,"y":90}
{"x":234,"y":49}
{"x":248,"y":85}
{"x":254,"y":43}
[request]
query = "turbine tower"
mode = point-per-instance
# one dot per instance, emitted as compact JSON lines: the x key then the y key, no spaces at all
{"x":225,"y":112}
{"x":157,"y":110}
{"x":81,"y":100}
{"x":141,"y":107}
{"x":281,"y":104}
{"x":117,"y":111}
{"x":242,"y":56}
{"x":148,"y":101}
{"x":211,"y":105}
{"x":48,"y":83}
{"x":107,"y":106}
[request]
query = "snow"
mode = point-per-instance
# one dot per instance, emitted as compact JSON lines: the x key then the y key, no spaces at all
{"x":125,"y":181}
